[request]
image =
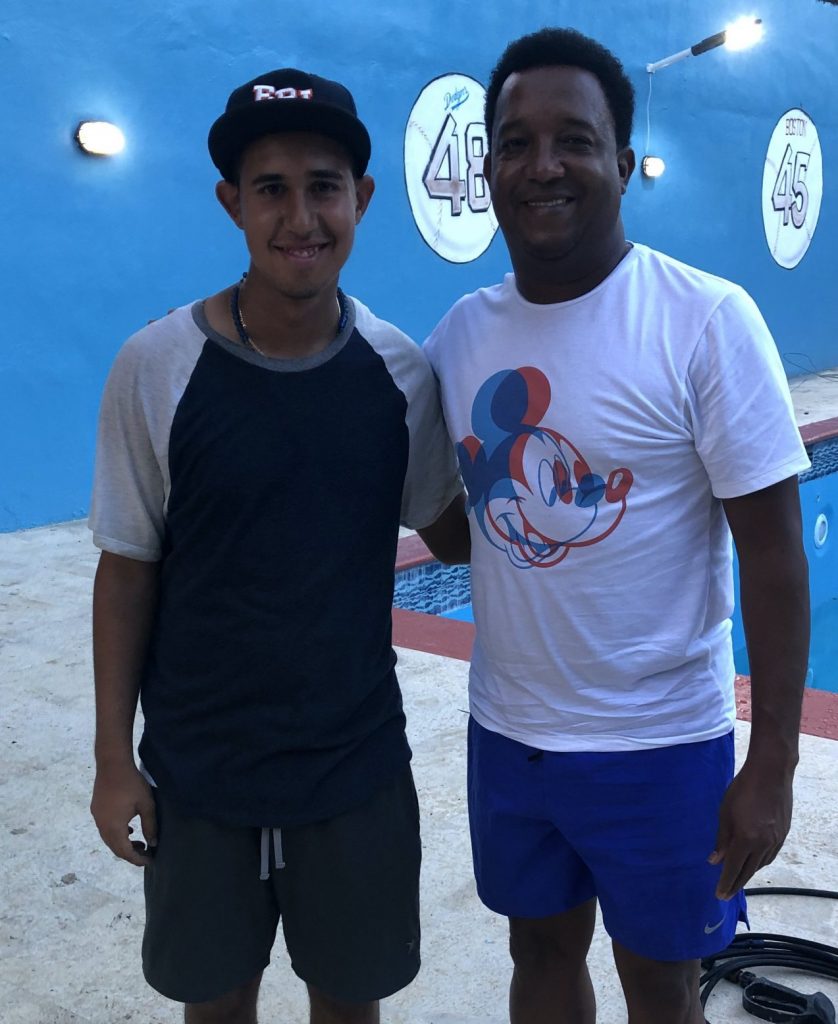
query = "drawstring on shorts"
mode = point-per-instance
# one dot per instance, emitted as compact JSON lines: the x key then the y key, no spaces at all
{"x":279,"y":863}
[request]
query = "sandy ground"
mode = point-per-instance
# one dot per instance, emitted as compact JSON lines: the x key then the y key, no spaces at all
{"x":71,"y":915}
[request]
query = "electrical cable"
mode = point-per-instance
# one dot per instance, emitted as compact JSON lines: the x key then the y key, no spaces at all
{"x":780,"y":890}
{"x":811,"y":370}
{"x":762,"y":997}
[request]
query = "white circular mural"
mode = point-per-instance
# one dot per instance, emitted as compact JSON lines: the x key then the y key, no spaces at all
{"x":792,"y":187}
{"x":444,"y":147}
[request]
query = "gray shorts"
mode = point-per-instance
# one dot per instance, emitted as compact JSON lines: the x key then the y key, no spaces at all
{"x":348,"y":897}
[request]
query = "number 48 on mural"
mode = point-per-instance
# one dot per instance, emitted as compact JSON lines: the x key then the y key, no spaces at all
{"x":442,"y":177}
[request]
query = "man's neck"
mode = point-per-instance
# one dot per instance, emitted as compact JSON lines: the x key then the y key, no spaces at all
{"x":544,"y":282}
{"x":273,"y":323}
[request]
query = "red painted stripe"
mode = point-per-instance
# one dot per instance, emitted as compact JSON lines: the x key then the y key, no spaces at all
{"x":821,"y":431}
{"x":412,"y":552}
{"x":451,"y":638}
{"x":433,"y":634}
{"x":820,"y":709}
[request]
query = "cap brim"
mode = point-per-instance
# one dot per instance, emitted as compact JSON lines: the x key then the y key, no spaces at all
{"x":233,"y":132}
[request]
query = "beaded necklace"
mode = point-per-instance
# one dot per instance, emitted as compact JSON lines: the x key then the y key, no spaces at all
{"x":241,"y":326}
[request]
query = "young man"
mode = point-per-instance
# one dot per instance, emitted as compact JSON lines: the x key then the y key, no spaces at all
{"x":256,"y":453}
{"x":616,"y":413}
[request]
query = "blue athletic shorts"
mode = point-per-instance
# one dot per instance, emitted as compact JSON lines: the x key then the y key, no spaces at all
{"x":634,"y":829}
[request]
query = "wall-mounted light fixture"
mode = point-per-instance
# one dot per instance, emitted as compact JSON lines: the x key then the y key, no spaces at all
{"x":739,"y":35}
{"x":652,"y":166}
{"x":100,"y":138}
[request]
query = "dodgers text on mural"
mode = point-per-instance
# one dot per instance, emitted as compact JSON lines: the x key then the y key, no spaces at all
{"x":444,"y":148}
{"x":792,"y":186}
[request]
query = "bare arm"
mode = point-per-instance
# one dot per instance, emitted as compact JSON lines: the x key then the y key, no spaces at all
{"x":756,"y":813}
{"x":124,"y":604}
{"x":448,"y":538}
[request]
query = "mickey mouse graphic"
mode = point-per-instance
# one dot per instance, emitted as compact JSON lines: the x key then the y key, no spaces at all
{"x":533,"y":492}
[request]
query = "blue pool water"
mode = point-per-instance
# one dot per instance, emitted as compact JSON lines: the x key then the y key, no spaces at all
{"x":446,"y":590}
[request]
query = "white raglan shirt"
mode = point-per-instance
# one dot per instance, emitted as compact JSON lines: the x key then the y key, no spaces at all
{"x":596,"y":439}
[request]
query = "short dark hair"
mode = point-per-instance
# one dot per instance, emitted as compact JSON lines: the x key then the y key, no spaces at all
{"x":551,"y":47}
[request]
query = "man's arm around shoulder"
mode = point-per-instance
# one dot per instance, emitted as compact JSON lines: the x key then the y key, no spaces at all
{"x":774,"y":593}
{"x":124,"y":605}
{"x":448,"y":538}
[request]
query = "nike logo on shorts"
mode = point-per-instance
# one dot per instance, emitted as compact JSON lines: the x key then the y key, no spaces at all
{"x":708,"y":929}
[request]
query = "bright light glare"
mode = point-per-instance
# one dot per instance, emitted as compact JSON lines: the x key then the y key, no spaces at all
{"x":743,"y":32}
{"x":100,"y":138}
{"x":652,"y":166}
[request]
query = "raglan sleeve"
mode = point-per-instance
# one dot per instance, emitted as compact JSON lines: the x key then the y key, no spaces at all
{"x":432,"y":480}
{"x":127,"y":505}
{"x":738,"y":403}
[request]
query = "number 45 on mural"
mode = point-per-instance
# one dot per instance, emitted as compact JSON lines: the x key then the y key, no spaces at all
{"x":791,"y":196}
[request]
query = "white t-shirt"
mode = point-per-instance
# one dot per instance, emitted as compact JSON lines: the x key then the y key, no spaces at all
{"x":596,"y":438}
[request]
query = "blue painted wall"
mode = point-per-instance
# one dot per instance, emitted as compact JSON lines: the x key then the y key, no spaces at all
{"x":93,"y":248}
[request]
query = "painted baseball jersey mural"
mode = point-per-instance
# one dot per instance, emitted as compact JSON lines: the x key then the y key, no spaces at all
{"x":444,"y":146}
{"x":792,"y":187}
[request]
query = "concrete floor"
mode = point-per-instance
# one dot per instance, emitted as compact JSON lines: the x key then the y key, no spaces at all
{"x":814,"y":395}
{"x":71,"y":915}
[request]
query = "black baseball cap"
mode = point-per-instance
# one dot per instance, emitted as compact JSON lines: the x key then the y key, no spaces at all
{"x":287,"y":100}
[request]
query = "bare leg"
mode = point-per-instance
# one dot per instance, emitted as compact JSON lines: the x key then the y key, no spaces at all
{"x":659,"y":991}
{"x":236,"y":1007}
{"x":550,"y":983}
{"x":325,"y":1010}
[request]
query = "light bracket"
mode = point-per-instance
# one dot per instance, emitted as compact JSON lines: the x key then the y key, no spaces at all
{"x":739,"y":35}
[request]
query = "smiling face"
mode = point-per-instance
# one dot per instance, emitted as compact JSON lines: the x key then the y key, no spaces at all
{"x":556,"y":179}
{"x":298,"y":203}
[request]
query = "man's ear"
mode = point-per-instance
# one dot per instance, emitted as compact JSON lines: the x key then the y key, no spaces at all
{"x":487,"y":166}
{"x":230,"y":198}
{"x":364,"y":188}
{"x":625,"y":166}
